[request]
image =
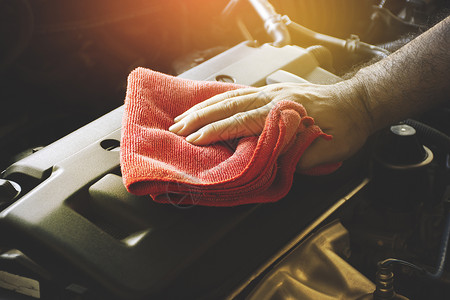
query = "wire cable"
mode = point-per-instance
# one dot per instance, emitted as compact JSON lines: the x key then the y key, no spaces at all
{"x":441,"y":258}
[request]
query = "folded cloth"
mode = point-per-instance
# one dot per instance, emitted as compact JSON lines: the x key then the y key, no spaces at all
{"x":161,"y":164}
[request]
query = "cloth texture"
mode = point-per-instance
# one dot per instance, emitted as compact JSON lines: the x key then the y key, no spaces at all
{"x":159,"y":163}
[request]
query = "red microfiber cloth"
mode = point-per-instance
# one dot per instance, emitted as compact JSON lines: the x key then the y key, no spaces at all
{"x":161,"y":164}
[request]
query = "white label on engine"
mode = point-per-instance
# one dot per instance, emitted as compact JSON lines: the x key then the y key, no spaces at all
{"x":19,"y":284}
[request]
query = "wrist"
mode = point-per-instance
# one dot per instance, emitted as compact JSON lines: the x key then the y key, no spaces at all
{"x":356,"y":97}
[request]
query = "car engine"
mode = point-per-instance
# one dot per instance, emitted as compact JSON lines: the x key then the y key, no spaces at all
{"x":377,"y":228}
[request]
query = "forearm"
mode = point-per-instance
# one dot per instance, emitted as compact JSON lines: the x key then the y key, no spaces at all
{"x":411,"y":80}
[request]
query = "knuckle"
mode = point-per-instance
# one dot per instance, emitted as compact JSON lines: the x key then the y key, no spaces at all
{"x":255,"y":102}
{"x":198,"y":116}
{"x":230,"y":106}
{"x":275,"y":87}
{"x":242,"y":117}
{"x":231,"y":94}
{"x":197,"y":107}
{"x":211,"y":128}
{"x":263,"y":96}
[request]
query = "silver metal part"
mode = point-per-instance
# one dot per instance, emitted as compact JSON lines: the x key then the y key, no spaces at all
{"x":273,"y":23}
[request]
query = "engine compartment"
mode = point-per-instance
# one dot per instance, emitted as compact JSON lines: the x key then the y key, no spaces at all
{"x":72,"y":227}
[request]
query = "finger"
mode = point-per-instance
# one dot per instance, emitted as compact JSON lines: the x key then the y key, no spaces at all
{"x":239,"y":125}
{"x":217,"y":112}
{"x":320,"y":152}
{"x":313,"y":156}
{"x":215,"y":99}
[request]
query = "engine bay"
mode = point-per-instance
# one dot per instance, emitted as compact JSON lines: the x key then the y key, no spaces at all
{"x":70,"y":230}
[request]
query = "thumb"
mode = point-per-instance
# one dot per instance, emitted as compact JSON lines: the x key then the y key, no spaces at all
{"x":318,"y":153}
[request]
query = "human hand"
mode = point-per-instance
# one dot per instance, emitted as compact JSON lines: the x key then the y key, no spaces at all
{"x":336,"y":109}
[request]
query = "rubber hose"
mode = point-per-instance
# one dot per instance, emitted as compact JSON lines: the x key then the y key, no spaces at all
{"x":430,"y":134}
{"x":442,"y":250}
{"x":441,"y":258}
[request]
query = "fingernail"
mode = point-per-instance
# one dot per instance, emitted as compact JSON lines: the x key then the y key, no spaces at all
{"x":176,"y":127}
{"x":193,"y":137}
